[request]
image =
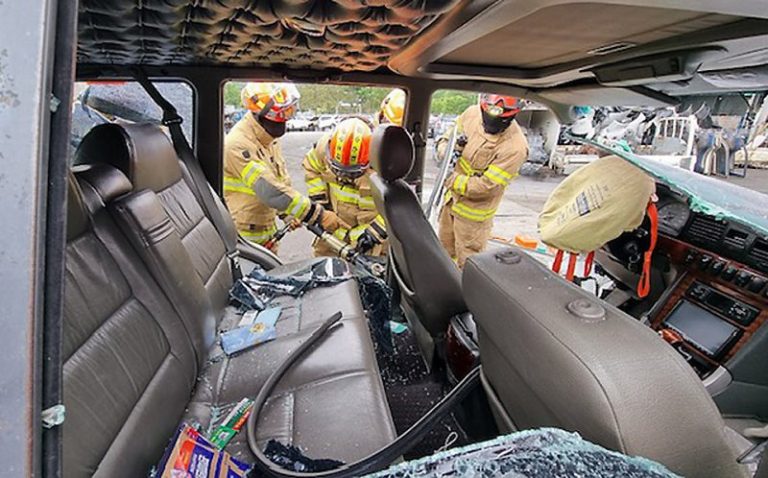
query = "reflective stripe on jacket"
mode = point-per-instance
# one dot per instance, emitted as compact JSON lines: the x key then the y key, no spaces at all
{"x":487,"y":165}
{"x":352,"y":202}
{"x":256,"y":183}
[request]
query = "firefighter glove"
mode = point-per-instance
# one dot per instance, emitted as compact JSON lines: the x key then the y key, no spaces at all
{"x":366,"y":242}
{"x":330,"y":221}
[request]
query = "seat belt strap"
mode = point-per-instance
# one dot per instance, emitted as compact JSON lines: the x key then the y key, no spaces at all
{"x":173,"y":121}
{"x":644,"y":286}
{"x":558,"y":263}
{"x":571,"y":271}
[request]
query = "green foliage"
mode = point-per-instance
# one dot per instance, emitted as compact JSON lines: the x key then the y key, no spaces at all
{"x":232,"y":93}
{"x":452,"y":102}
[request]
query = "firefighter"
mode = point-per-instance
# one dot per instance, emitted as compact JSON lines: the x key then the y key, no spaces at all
{"x":492,"y":149}
{"x":337,"y":175}
{"x":257,"y":187}
{"x":392,"y":108}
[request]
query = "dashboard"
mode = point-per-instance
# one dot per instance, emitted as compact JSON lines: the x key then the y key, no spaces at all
{"x":728,"y":239}
{"x":673,"y":217}
{"x":719,"y":298}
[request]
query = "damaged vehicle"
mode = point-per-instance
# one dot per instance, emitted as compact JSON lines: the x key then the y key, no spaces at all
{"x":144,"y":337}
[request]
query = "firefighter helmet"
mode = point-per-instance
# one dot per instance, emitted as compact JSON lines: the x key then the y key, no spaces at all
{"x":392,"y":107}
{"x":348,"y":148}
{"x":274,"y":101}
{"x":499,"y":105}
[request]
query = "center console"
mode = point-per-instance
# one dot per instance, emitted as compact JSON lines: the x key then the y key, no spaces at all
{"x":713,"y":309}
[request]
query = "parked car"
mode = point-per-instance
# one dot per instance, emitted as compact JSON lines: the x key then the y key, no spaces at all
{"x":326,"y":122}
{"x":301,"y":123}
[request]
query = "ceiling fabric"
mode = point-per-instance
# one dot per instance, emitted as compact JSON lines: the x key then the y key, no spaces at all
{"x":318,"y":34}
{"x":564,"y":33}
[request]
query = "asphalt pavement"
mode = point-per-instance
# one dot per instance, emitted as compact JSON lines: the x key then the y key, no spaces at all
{"x":517,"y":215}
{"x":297,"y":245}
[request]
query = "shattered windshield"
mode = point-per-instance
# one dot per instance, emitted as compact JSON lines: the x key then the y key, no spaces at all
{"x":705,"y":194}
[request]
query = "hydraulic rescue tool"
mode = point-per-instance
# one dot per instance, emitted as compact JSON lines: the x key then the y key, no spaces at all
{"x":345,"y":250}
{"x":451,"y":156}
{"x":279,"y":234}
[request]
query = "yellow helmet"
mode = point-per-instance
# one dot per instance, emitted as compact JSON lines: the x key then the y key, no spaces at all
{"x":393,"y":107}
{"x":274,"y":101}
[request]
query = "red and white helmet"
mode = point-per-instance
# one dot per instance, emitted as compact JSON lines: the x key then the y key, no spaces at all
{"x":499,"y":105}
{"x":348,"y":148}
{"x":274,"y":101}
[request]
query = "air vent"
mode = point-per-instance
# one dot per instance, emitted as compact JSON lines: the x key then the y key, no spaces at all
{"x":611,"y":48}
{"x":705,"y":230}
{"x":758,"y":256}
{"x":736,"y":239}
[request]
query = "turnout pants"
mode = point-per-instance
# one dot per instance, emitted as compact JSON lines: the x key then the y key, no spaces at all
{"x":462,"y":237}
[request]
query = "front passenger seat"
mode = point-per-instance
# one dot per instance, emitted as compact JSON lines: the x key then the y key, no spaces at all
{"x":428,"y":280}
{"x":556,"y":356}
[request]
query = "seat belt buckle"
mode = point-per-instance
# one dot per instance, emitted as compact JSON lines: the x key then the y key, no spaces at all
{"x":234,"y":264}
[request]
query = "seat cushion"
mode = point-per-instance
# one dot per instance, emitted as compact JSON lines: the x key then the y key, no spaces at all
{"x":334,"y":385}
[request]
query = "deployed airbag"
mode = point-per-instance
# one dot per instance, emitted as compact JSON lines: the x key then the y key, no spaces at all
{"x":595,"y":205}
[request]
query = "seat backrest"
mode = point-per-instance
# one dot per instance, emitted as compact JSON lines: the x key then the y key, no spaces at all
{"x":128,"y":364}
{"x":145,"y":154}
{"x":428,"y":279}
{"x":141,"y":218}
{"x":555,"y":356}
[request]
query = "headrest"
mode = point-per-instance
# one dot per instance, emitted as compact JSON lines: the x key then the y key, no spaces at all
{"x":143,"y":152}
{"x":108,"y":181}
{"x":77,"y":215}
{"x":391,"y":152}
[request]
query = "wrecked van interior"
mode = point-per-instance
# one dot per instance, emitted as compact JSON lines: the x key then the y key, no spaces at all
{"x":135,"y":306}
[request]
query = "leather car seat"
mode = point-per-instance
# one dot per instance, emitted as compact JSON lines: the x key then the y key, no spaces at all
{"x":556,"y":356}
{"x":428,"y":280}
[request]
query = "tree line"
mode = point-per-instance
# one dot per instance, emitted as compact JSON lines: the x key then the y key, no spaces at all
{"x":322,"y":99}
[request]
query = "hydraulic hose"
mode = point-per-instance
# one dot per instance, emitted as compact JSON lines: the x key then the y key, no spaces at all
{"x":376,"y":460}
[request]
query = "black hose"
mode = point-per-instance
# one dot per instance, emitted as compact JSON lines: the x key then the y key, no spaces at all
{"x":376,"y":460}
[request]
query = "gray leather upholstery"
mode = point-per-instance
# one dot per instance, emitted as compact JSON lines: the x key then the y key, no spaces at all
{"x":391,"y":153}
{"x":110,"y":182}
{"x":145,"y":154}
{"x":139,"y":315}
{"x":77,"y":215}
{"x":429,"y":281}
{"x":762,"y":467}
{"x":128,"y":367}
{"x":555,"y":356}
{"x":144,"y":222}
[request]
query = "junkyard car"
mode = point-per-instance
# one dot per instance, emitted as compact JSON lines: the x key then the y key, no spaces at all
{"x":120,"y":263}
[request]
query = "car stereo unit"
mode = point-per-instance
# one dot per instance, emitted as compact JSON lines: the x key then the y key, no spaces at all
{"x":702,"y":329}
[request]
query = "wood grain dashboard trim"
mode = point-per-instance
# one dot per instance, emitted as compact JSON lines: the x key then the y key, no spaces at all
{"x":677,"y":251}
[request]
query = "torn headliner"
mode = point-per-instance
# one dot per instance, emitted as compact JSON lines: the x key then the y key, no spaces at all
{"x":344,"y":35}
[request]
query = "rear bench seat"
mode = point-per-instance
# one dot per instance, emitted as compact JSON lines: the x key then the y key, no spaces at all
{"x":128,"y":251}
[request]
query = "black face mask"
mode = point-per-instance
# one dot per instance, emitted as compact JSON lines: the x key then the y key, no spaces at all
{"x":495,"y":124}
{"x":273,"y":128}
